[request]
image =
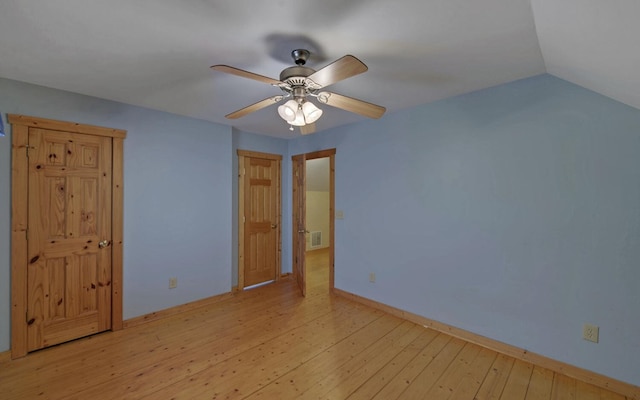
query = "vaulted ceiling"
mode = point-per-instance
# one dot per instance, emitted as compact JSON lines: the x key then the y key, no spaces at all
{"x":157,"y":53}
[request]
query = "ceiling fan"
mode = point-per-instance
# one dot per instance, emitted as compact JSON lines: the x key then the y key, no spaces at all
{"x":300,"y":83}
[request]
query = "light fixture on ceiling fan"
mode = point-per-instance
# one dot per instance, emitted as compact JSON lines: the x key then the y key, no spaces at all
{"x":299,"y":112}
{"x":300,"y":83}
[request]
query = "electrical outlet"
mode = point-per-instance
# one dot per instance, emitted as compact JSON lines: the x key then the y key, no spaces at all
{"x":372,"y":277}
{"x":173,"y":283}
{"x":590,"y":332}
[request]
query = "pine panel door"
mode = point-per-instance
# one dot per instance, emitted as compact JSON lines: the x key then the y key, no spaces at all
{"x":68,"y":238}
{"x":262,"y":215}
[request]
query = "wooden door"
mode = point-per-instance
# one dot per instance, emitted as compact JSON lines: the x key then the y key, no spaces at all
{"x":66,"y":194}
{"x":299,"y":222}
{"x":261,"y":216}
{"x":69,"y":268}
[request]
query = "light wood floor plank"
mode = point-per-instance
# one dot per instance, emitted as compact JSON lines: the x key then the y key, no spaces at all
{"x":540,"y":384}
{"x":418,"y":387}
{"x":449,"y":380}
{"x":495,"y":381}
{"x":246,"y":376}
{"x":467,"y":387}
{"x":381,"y":378}
{"x":303,"y":377}
{"x":345,"y":380}
{"x":563,"y":388}
{"x":518,"y":381}
{"x":586,"y":391}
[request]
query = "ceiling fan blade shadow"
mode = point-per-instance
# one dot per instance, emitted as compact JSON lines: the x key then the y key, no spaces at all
{"x":254,"y":107}
{"x":245,"y":74}
{"x":341,"y":69}
{"x":356,"y":106}
{"x":308,"y":129}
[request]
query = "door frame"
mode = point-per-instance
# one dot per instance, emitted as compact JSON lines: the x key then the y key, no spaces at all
{"x":331,"y":154}
{"x":20,"y":125}
{"x":242,"y":155}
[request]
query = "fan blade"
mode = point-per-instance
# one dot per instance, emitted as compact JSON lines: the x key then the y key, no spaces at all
{"x":254,"y":107}
{"x":338,"y":70}
{"x":245,"y":74}
{"x":350,"y":104}
{"x":308,"y":129}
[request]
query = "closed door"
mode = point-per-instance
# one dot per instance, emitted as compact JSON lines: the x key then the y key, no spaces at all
{"x":69,"y":231}
{"x":261,"y":219}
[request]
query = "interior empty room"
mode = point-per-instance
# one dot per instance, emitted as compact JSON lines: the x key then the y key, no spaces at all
{"x":335,"y":200}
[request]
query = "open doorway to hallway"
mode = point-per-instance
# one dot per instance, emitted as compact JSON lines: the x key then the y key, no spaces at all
{"x":318,"y":218}
{"x":313,"y":230}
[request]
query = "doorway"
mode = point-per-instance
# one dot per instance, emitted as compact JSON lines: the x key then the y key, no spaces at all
{"x":317,"y":196}
{"x":66,"y":249}
{"x":310,"y":235}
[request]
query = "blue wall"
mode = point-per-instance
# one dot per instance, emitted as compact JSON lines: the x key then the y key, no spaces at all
{"x":512,"y":212}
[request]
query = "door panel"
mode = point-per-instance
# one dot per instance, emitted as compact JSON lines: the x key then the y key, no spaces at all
{"x":299,"y":223}
{"x":262,"y":215}
{"x":68,"y":273}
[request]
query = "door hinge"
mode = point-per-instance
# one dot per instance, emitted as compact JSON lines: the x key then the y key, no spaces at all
{"x":244,"y":171}
{"x":244,"y":219}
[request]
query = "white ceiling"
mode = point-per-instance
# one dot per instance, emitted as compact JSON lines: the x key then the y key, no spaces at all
{"x":157,"y":53}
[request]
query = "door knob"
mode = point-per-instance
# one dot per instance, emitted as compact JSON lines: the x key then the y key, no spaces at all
{"x":102,"y":244}
{"x":274,"y":226}
{"x":303,"y":231}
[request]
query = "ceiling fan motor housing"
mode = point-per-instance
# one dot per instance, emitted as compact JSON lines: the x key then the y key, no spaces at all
{"x":295,"y":76}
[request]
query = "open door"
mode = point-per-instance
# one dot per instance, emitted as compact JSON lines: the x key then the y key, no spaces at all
{"x":299,"y":223}
{"x":299,"y":215}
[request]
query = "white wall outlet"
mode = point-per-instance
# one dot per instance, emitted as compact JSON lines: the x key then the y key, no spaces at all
{"x":173,"y":283}
{"x":339,"y":214}
{"x":372,"y":277}
{"x":590,"y":332}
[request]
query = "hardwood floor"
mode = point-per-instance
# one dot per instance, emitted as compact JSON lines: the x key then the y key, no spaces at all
{"x":269,"y":343}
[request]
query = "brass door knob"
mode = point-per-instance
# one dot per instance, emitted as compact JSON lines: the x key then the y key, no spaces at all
{"x":104,"y":243}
